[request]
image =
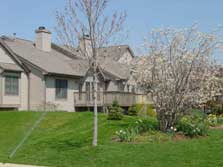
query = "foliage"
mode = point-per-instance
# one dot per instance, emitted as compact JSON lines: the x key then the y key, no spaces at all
{"x":146,"y":110}
{"x":212,"y":120}
{"x":192,"y":125}
{"x":152,"y":137}
{"x":115,"y":112}
{"x":179,"y":71}
{"x":133,"y":111}
{"x":151,"y":111}
{"x":139,"y":107}
{"x":197,"y":113}
{"x":220,"y":119}
{"x":172,"y":131}
{"x":215,"y":107}
{"x":140,"y":126}
{"x":126,"y":135}
{"x":157,"y":136}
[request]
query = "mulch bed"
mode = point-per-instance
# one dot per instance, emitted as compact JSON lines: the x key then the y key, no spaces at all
{"x":217,"y":127}
{"x":180,"y":137}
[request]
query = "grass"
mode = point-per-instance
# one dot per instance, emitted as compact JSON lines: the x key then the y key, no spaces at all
{"x":64,"y":140}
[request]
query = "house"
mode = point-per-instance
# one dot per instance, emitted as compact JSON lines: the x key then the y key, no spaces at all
{"x":40,"y":73}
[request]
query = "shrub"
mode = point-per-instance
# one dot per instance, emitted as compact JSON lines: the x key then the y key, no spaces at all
{"x":215,"y":107}
{"x":115,"y":112}
{"x":212,"y":120}
{"x":146,"y":110}
{"x":140,"y":126}
{"x":172,"y":131}
{"x":126,"y":135}
{"x":220,"y":119}
{"x":132,"y":111}
{"x":197,"y":113}
{"x":192,"y":125}
{"x":151,"y":111}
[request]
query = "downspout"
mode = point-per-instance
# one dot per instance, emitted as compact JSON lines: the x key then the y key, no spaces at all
{"x":1,"y":88}
{"x":28,"y":77}
{"x":44,"y":93}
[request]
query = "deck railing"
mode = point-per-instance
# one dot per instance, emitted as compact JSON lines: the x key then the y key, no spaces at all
{"x":86,"y":100}
{"x":125,"y":99}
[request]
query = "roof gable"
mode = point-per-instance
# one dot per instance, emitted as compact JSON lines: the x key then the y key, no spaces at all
{"x":9,"y":60}
{"x":114,"y":52}
{"x":49,"y":62}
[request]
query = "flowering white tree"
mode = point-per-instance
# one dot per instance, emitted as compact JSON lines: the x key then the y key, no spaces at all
{"x":87,"y":17}
{"x":178,"y":71}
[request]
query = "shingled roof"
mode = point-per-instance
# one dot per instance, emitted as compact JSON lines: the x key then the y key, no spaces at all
{"x":50,"y":62}
{"x":116,"y":69}
{"x":10,"y":67}
{"x":62,"y":61}
{"x":114,"y":52}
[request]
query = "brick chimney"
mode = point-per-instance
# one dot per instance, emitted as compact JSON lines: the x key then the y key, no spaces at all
{"x":85,"y":44}
{"x":43,"y":39}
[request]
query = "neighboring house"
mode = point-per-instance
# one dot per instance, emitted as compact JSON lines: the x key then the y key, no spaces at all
{"x":35,"y":74}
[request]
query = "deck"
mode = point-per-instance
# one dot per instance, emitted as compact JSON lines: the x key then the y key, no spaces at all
{"x":125,"y":99}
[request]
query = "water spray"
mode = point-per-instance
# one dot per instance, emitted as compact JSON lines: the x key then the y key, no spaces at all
{"x":27,"y":135}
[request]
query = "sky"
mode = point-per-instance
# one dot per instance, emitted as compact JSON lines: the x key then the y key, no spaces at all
{"x":24,"y":16}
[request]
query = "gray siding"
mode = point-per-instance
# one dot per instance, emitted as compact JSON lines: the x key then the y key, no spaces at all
{"x":62,"y":104}
{"x":37,"y":89}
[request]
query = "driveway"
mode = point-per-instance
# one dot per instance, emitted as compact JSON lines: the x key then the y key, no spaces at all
{"x":14,"y":165}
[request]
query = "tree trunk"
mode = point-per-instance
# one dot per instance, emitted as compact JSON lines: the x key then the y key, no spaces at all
{"x":166,"y":121}
{"x":95,"y":134}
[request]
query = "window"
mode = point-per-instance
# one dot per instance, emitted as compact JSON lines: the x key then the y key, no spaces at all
{"x":89,"y":87}
{"x":61,"y":89}
{"x":92,"y":90}
{"x":11,"y":85}
{"x":80,"y":91}
{"x":128,"y":88}
{"x":98,"y":92}
{"x":88,"y":91}
{"x":121,"y":86}
{"x":133,"y":89}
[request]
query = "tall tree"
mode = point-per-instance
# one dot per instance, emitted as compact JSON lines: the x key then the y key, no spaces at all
{"x":178,"y":71}
{"x":87,"y":17}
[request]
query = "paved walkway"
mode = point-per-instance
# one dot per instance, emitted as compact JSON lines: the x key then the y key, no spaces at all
{"x":14,"y":165}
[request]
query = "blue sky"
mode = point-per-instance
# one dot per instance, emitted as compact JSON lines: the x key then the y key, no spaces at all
{"x":24,"y":16}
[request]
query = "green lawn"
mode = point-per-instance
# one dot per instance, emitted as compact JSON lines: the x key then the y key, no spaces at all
{"x":64,"y":140}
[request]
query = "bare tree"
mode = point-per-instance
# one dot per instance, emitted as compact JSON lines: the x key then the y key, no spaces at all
{"x":178,"y":71}
{"x":86,"y":17}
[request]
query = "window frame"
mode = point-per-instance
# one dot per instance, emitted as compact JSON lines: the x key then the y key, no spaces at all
{"x":80,"y":92}
{"x":88,"y":91}
{"x":60,"y":87}
{"x":11,"y":84}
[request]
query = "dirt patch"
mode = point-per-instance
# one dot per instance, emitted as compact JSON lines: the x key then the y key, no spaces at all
{"x":217,"y":127}
{"x":115,"y":139}
{"x":180,"y":137}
